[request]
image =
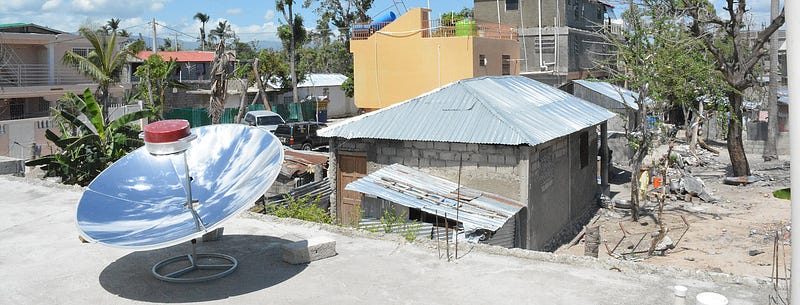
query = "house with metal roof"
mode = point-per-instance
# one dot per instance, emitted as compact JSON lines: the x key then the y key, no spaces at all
{"x":616,"y":99}
{"x":324,"y":88}
{"x":505,"y":135}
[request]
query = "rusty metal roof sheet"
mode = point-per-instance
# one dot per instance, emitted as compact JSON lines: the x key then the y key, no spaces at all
{"x":298,"y":162}
{"x":510,"y":110}
{"x":409,"y":187}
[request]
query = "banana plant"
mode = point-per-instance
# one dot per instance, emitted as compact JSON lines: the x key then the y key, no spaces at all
{"x":88,"y":144}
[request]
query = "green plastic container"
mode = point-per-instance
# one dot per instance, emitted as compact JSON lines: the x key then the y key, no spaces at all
{"x":466,"y":27}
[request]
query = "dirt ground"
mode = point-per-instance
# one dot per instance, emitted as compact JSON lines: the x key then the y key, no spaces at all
{"x":735,"y":234}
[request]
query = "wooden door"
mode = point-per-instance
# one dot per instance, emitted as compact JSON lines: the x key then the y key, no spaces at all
{"x":348,"y":203}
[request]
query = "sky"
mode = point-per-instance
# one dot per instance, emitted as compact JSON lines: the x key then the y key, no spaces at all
{"x":251,"y":20}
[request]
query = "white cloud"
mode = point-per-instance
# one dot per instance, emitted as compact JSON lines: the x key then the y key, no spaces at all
{"x":233,"y":11}
{"x":269,"y":15}
{"x":156,"y":6}
{"x":51,"y":5}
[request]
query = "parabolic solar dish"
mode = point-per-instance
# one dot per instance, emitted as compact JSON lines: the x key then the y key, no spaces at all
{"x":139,"y":201}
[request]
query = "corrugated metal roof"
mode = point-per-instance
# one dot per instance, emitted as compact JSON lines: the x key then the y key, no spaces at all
{"x":180,"y":56}
{"x":617,"y":93}
{"x":508,"y":110}
{"x":409,"y":187}
{"x":316,"y":80}
{"x":298,"y":162}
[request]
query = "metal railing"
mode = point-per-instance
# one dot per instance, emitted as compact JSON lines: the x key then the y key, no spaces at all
{"x":439,"y":28}
{"x":22,"y":75}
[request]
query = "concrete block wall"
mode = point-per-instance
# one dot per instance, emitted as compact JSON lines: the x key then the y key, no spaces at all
{"x":485,"y":167}
{"x":562,"y":191}
{"x":182,"y":99}
{"x":757,"y":147}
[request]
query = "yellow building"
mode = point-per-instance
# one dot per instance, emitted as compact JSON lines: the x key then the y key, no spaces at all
{"x":413,"y":55}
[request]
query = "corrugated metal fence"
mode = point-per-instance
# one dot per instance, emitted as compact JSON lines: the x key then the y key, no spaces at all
{"x":294,"y":112}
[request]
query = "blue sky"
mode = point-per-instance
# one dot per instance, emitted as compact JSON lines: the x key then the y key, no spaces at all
{"x":252,"y":20}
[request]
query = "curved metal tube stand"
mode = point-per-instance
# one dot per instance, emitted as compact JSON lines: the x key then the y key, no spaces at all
{"x":178,"y":276}
{"x":230,"y":263}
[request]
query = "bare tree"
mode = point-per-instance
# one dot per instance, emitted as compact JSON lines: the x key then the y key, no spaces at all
{"x":735,"y":57}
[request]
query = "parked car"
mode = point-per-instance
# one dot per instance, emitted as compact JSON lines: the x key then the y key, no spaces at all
{"x":301,"y":135}
{"x":263,"y":119}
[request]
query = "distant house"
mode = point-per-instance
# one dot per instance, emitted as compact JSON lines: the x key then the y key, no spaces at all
{"x":32,"y":78}
{"x":398,"y":60}
{"x":505,"y":135}
{"x":194,"y":72}
{"x":321,"y":87}
{"x":194,"y":65}
{"x":617,"y":100}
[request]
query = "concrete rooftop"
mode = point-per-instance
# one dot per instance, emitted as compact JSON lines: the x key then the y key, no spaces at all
{"x":43,"y":262}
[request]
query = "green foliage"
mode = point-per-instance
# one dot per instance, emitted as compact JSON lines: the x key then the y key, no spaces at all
{"x":451,"y":18}
{"x":348,"y":86}
{"x":300,"y":33}
{"x":273,"y":67}
{"x":783,"y":194}
{"x":342,"y":14}
{"x":87,"y":149}
{"x":155,"y":80}
{"x":393,"y":222}
{"x":103,"y":64}
{"x":304,"y":208}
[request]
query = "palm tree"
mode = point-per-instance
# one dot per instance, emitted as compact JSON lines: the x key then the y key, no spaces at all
{"x":222,"y":30}
{"x":103,"y":64}
{"x":113,"y":24}
{"x":203,"y":18}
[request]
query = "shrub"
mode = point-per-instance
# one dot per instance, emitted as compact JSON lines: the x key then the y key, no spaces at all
{"x":303,"y":208}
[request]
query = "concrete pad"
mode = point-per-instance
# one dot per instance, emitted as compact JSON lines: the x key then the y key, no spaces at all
{"x":306,"y":251}
{"x":11,"y":166}
{"x":43,"y":262}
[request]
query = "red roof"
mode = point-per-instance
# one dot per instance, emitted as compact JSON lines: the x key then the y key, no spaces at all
{"x":181,"y":56}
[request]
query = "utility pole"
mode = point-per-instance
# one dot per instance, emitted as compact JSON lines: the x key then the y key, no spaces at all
{"x":155,"y":45}
{"x":771,"y":146}
{"x":176,"y":41}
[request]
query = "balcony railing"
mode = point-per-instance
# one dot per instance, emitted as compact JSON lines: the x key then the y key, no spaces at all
{"x":438,"y":28}
{"x":23,"y":75}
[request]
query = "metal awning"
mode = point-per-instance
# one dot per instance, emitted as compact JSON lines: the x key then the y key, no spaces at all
{"x":414,"y":189}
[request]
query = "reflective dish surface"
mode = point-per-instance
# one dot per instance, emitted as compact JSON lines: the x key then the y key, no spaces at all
{"x":139,"y":201}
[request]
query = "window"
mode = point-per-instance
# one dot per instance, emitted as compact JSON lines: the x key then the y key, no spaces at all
{"x":512,"y":5}
{"x":482,"y":60}
{"x":584,"y":146}
{"x":82,"y":51}
{"x":506,"y":64}
{"x":17,"y":110}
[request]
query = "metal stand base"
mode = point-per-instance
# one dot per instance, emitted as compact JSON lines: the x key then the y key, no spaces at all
{"x":228,"y":265}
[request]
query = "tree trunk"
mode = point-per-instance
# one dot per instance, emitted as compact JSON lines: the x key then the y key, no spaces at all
{"x":735,"y":145}
{"x":260,"y":86}
{"x":242,"y":104}
{"x":771,"y":147}
{"x":695,"y":127}
{"x":104,"y":101}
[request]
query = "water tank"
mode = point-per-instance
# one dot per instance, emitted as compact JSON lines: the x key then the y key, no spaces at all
{"x":466,"y":27}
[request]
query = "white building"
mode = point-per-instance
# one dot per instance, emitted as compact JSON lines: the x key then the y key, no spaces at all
{"x":325,"y":86}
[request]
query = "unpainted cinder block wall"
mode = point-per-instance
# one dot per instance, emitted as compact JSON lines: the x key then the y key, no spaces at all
{"x":562,"y":190}
{"x":485,"y":167}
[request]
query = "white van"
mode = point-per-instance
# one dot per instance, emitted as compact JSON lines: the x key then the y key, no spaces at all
{"x":263,"y":119}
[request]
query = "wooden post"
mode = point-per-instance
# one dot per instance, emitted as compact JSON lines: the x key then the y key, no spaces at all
{"x":604,"y":160}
